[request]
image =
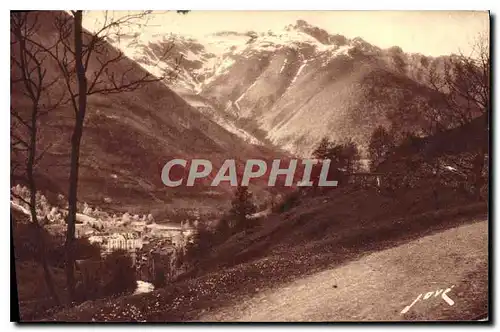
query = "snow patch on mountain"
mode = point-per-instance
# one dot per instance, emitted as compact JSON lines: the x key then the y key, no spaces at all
{"x":219,"y":67}
{"x":304,"y":63}
{"x":221,"y":44}
{"x":236,"y":102}
{"x":284,"y":65}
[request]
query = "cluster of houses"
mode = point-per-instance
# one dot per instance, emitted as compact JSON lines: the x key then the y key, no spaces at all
{"x":138,"y":234}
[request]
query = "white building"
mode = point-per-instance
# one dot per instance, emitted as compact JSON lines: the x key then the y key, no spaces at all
{"x":118,"y":241}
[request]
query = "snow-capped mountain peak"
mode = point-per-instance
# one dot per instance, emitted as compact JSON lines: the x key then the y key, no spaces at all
{"x":198,"y":62}
{"x":259,"y":85}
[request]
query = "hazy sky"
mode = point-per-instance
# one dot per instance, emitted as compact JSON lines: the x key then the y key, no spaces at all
{"x":428,"y":32}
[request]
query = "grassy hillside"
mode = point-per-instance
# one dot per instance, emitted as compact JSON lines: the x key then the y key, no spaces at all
{"x":320,"y":233}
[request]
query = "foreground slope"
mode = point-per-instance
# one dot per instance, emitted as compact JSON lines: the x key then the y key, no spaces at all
{"x":321,"y":234}
{"x":379,"y":286}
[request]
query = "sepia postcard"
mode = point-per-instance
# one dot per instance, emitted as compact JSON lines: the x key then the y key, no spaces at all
{"x":250,"y":166}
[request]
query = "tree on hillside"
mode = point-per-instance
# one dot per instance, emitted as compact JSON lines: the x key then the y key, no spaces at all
{"x":397,"y":56}
{"x":350,"y":156}
{"x":241,"y":206}
{"x":344,"y":156}
{"x":458,"y":95}
{"x":121,"y":273}
{"x":29,"y":77}
{"x":464,"y":83}
{"x":465,"y":90}
{"x":322,"y":149}
{"x":88,"y":65}
{"x":381,"y":143}
{"x":199,"y":245}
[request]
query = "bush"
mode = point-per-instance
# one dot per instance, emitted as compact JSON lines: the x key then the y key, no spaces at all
{"x":86,"y":250}
{"x":200,"y":245}
{"x":289,"y":201}
{"x":223,"y":229}
{"x":241,"y":206}
{"x":56,"y":252}
{"x":114,"y":275}
{"x":121,"y":273}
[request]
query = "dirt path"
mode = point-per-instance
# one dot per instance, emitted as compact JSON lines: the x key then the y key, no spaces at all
{"x":379,"y":286}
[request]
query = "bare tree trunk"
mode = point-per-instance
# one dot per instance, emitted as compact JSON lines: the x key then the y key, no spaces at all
{"x":46,"y":271}
{"x":101,"y":82}
{"x":34,"y":219}
{"x":75,"y":153}
{"x":34,"y":91}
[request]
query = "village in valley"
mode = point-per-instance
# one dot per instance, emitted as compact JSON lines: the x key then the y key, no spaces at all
{"x":148,"y":242}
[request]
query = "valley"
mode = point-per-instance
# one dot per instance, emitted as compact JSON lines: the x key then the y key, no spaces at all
{"x":294,"y":174}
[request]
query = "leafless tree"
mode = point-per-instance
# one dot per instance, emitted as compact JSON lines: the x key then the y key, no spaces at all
{"x":463,"y":84}
{"x":88,"y":65}
{"x":464,"y":87}
{"x":29,"y":80}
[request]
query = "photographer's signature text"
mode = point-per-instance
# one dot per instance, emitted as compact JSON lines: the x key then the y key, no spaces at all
{"x":429,"y":295}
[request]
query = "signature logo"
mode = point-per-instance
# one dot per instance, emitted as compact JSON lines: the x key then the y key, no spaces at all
{"x":428,"y":295}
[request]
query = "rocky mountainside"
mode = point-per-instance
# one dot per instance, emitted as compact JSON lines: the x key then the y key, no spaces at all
{"x":291,"y":87}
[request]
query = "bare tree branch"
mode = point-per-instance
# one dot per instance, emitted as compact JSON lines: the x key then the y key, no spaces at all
{"x":29,"y":64}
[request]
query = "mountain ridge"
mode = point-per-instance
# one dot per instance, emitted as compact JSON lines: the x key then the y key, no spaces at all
{"x":269,"y":83}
